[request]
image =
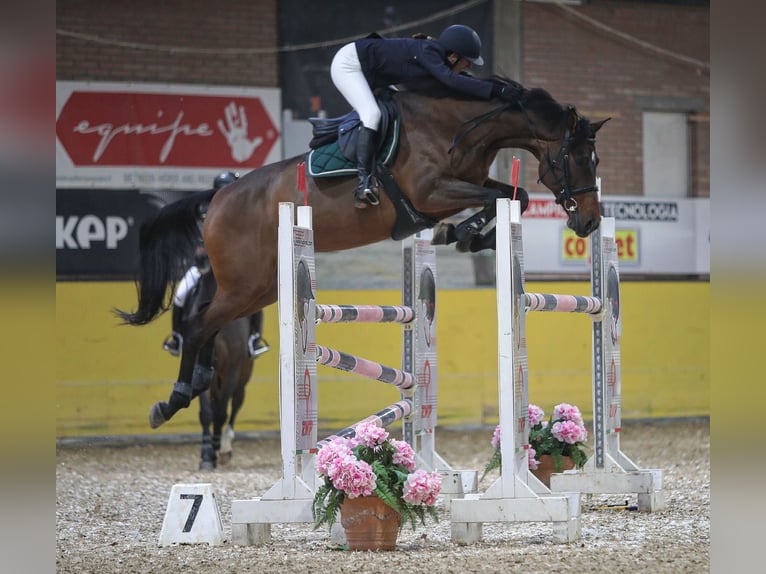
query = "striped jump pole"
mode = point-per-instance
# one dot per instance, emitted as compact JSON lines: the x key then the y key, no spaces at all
{"x":365,"y":314}
{"x":364,"y":367}
{"x":382,"y":418}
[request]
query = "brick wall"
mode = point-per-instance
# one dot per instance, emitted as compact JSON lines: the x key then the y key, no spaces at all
{"x":200,"y":24}
{"x":604,"y":75}
{"x":578,"y":63}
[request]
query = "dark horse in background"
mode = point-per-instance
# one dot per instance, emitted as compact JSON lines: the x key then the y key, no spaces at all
{"x":232,"y":368}
{"x":446,"y":146}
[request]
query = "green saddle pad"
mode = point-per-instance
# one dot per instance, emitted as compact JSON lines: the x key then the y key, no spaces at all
{"x":329,"y":161}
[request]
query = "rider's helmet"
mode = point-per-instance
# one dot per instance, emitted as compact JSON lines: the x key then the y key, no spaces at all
{"x":464,"y":41}
{"x":224,"y":178}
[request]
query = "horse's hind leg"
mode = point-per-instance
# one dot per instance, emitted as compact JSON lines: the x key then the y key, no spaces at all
{"x":196,"y":360}
{"x":207,"y":454}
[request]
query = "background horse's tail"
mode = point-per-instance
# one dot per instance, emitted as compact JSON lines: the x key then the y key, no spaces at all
{"x":167,"y":245}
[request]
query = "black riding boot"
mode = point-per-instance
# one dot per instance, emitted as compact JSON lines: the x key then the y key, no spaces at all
{"x":256,"y":344}
{"x":174,"y":343}
{"x":365,"y":147}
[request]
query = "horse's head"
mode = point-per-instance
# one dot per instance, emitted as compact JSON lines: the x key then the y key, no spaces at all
{"x":568,"y":169}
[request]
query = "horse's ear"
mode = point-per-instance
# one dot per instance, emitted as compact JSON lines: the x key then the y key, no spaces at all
{"x":573,"y":118}
{"x":595,"y":126}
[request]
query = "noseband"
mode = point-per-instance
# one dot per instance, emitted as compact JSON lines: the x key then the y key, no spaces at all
{"x":566,"y":197}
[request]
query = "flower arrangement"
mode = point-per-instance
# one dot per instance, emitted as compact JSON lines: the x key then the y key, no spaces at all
{"x":368,"y":464}
{"x":564,"y":434}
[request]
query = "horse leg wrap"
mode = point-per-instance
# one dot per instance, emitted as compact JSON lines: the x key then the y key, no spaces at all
{"x":201,"y":379}
{"x":181,"y":396}
{"x":471,"y":226}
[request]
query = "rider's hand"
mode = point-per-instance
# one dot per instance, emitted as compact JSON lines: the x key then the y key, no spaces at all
{"x":511,"y":93}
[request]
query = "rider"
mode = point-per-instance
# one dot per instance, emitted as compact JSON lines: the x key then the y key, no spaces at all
{"x":376,"y":62}
{"x":256,"y":344}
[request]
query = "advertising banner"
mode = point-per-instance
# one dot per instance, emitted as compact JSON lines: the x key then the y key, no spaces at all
{"x":161,"y":136}
{"x":96,"y":238}
{"x":653,"y":236}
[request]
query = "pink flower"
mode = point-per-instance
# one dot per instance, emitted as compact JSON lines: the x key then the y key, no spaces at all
{"x":496,"y":437}
{"x":568,"y":431}
{"x":422,"y":487}
{"x":354,"y":477}
{"x":532,"y":462}
{"x":535,"y":415}
{"x":404,"y":454}
{"x":567,"y":412}
{"x":370,"y":435}
{"x":336,"y":448}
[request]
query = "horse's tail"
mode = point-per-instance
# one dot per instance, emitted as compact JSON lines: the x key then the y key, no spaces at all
{"x":167,"y":245}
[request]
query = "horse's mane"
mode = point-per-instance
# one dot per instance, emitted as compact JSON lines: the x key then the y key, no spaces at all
{"x":539,"y":103}
{"x":536,"y":102}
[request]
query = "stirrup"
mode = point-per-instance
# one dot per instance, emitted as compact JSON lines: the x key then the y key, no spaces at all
{"x":253,"y":350}
{"x":365,"y":197}
{"x":173,"y":344}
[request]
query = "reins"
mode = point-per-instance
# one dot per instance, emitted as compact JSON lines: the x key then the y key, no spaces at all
{"x":566,"y":196}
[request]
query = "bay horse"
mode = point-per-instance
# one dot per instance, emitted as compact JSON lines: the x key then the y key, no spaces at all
{"x":232,"y":367}
{"x":446,"y":146}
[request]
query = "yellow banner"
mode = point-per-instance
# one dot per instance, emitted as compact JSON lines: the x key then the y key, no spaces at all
{"x":575,"y":249}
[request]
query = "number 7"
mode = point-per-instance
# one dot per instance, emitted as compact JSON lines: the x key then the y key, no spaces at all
{"x":194,"y":509}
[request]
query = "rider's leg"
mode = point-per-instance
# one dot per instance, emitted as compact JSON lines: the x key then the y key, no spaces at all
{"x":348,"y":77}
{"x":190,"y":279}
{"x":256,"y":344}
{"x":174,"y":343}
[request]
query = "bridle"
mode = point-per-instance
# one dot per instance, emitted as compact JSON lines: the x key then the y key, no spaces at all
{"x":559,"y":166}
{"x":565,"y":197}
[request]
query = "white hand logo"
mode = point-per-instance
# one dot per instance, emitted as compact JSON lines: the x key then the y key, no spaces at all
{"x":235,"y":131}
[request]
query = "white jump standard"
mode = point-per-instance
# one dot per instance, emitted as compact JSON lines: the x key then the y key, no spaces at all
{"x":517,"y":495}
{"x":290,"y":499}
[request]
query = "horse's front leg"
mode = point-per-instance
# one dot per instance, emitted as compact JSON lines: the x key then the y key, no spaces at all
{"x":468,"y":233}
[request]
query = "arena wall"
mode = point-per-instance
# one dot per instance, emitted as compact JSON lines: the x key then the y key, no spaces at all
{"x":109,"y":375}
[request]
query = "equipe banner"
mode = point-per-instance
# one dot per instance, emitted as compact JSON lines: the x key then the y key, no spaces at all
{"x":97,"y":232}
{"x":161,"y":136}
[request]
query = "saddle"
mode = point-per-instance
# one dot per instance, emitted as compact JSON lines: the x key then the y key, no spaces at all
{"x":333,"y":145}
{"x":333,"y":154}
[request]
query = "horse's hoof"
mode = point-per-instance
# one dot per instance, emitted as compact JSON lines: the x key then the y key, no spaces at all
{"x":441,"y":233}
{"x":156,"y":417}
{"x":224,"y":457}
{"x":464,"y":246}
{"x":206,"y":466}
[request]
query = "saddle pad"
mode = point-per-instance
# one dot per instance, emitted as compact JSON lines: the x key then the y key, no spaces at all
{"x":329,"y":161}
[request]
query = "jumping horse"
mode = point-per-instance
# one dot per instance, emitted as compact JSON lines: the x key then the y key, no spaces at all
{"x":232,"y":368}
{"x":446,"y":145}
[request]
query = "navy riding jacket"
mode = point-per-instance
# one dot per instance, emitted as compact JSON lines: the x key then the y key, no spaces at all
{"x":387,"y":61}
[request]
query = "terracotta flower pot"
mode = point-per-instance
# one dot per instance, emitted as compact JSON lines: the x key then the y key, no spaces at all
{"x":370,"y":524}
{"x":546,"y":468}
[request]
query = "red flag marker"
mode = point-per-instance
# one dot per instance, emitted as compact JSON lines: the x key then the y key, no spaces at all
{"x":515,"y":174}
{"x":301,"y":182}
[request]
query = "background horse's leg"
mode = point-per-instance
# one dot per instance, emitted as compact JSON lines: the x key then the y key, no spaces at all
{"x":207,"y":455}
{"x":227,"y":438}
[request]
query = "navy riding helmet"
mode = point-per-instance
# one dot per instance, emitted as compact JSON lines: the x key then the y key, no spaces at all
{"x":463,"y":41}
{"x":224,"y":178}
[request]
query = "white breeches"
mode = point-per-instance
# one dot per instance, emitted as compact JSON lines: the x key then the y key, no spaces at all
{"x":187,"y":283}
{"x":346,"y":73}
